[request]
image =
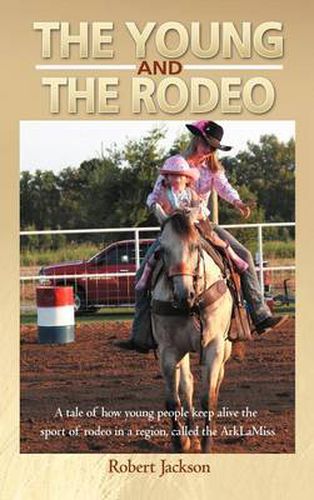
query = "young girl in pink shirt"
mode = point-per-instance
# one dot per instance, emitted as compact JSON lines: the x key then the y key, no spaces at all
{"x":175,"y":193}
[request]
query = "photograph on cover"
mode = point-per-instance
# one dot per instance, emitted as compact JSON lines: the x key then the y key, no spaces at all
{"x":157,"y":287}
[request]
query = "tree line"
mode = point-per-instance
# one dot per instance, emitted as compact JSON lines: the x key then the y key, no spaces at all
{"x":111,"y":190}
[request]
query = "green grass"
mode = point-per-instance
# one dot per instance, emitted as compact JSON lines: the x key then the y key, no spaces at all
{"x":82,"y":251}
{"x":108,"y":314}
{"x":279,"y":249}
{"x":272,"y":250}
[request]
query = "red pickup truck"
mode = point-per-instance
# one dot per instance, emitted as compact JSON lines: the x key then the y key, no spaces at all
{"x":93,"y":291}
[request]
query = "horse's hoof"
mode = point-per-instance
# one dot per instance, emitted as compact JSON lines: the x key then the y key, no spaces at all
{"x":186,"y":443}
{"x":176,"y":444}
{"x":239,"y":351}
{"x":195,"y":444}
{"x":207,"y":445}
{"x":181,"y":444}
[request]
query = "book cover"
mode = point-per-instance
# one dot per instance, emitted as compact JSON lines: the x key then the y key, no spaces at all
{"x":96,"y":98}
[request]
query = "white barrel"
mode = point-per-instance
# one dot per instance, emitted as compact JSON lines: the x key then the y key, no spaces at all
{"x":55,"y":314}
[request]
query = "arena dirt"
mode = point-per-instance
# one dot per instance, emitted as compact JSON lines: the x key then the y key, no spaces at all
{"x":94,"y":372}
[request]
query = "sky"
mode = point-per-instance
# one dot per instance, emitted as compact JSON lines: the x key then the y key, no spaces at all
{"x":54,"y":145}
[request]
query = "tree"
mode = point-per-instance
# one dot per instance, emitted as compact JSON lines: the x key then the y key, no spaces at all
{"x":40,"y":199}
{"x":139,"y":163}
{"x":111,"y":190}
{"x":268,"y":170}
{"x":26,"y":206}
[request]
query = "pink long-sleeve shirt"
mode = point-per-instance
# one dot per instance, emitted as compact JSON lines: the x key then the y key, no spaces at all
{"x":207,"y":181}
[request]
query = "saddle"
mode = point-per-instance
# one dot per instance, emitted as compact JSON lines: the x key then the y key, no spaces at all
{"x":241,"y":326}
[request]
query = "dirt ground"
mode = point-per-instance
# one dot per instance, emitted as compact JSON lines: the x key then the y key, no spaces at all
{"x":92,"y":372}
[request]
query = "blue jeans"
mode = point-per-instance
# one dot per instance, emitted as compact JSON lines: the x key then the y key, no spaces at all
{"x":250,"y":285}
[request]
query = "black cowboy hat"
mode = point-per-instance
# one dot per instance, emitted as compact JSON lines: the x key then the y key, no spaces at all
{"x":210,"y":131}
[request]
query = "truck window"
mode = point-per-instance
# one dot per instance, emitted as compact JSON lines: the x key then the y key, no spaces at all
{"x":144,"y":246}
{"x":122,"y":253}
{"x":118,"y":254}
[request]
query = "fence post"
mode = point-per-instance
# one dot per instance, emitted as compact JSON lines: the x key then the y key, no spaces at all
{"x":214,"y":206}
{"x":137,"y":249}
{"x":261,"y":256}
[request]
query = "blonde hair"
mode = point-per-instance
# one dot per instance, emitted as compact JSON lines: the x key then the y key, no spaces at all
{"x":211,"y":161}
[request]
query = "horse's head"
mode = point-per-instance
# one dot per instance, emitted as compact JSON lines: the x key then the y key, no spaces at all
{"x":180,"y":246}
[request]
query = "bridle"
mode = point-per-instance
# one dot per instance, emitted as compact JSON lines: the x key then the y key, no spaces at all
{"x":185,"y":269}
{"x":203,"y":297}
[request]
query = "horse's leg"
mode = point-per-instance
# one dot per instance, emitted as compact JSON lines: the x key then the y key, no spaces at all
{"x":170,"y":368}
{"x":187,"y":389}
{"x":227,"y":354}
{"x":212,"y":364}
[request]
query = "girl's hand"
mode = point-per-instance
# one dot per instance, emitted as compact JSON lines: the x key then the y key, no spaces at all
{"x":159,"y":213}
{"x":244,"y":209}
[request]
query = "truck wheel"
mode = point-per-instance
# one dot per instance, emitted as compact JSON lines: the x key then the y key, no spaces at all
{"x":79,"y":301}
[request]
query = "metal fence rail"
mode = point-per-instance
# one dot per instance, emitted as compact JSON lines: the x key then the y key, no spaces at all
{"x":136,"y":231}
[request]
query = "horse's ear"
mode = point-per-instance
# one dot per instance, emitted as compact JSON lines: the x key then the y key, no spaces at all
{"x":193,"y":214}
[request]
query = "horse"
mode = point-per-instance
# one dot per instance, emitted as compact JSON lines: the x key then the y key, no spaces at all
{"x":189,"y":274}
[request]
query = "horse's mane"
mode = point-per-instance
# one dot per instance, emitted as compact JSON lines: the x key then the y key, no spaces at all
{"x":181,"y":224}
